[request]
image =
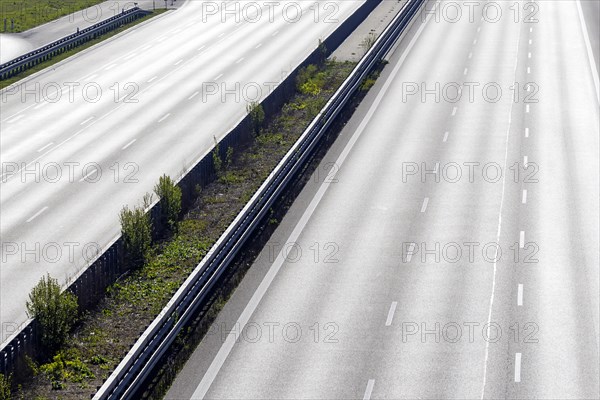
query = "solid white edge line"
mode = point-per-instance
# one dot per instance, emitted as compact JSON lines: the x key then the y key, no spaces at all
{"x":128,"y":144}
{"x":37,"y":214}
{"x":369,"y":389}
{"x":390,"y":316}
{"x":15,"y":119}
{"x":88,"y":174}
{"x":45,"y":147}
{"x":588,"y":46}
{"x":227,"y":346}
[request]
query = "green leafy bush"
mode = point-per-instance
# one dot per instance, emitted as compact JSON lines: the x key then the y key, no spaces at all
{"x":66,"y":366}
{"x":54,"y":311}
{"x":170,"y":202}
{"x":217,"y":161}
{"x":136,"y":230}
{"x":257,"y":116}
{"x":5,"y":387}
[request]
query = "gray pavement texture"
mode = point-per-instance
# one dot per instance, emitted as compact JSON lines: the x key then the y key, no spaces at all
{"x":354,"y":47}
{"x":498,"y":296}
{"x":80,"y":140}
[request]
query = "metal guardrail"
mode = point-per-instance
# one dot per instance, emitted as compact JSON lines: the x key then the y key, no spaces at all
{"x":46,"y":52}
{"x":160,"y":334}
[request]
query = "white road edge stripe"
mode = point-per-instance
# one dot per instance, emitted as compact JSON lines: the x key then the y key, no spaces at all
{"x":369,"y":389}
{"x":37,"y":214}
{"x":128,"y":144}
{"x":15,"y":119}
{"x":589,"y":50}
{"x":45,"y":147}
{"x":88,"y":175}
{"x":390,"y":316}
{"x":227,"y":346}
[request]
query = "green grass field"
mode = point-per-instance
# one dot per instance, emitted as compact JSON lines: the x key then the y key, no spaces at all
{"x":30,"y":13}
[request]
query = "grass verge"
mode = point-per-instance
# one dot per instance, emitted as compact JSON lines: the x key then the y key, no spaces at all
{"x":105,"y":334}
{"x":30,"y":13}
{"x":69,"y":53}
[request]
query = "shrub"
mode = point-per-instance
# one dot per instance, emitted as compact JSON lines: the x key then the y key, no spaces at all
{"x":136,"y":229}
{"x":322,"y":51}
{"x":217,"y":161}
{"x":304,"y":75}
{"x":54,"y":311}
{"x":368,"y":41}
{"x":5,"y":387}
{"x":170,"y":202}
{"x":257,"y":116}
{"x":229,"y":157}
{"x":66,"y":366}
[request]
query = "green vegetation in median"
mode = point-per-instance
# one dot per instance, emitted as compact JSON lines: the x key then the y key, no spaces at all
{"x":170,"y":202}
{"x":27,"y":14}
{"x":68,"y":53}
{"x":54,"y":311}
{"x":257,"y":116}
{"x":4,"y":387}
{"x":136,"y":231}
{"x":106,"y":333}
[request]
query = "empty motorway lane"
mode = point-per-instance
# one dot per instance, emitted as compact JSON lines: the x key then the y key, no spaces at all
{"x":93,"y":133}
{"x":448,"y":246}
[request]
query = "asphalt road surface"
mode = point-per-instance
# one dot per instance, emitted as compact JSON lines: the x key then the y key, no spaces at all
{"x":451,"y":251}
{"x":93,"y":133}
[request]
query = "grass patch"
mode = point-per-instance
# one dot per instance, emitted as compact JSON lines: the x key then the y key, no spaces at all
{"x":30,"y":13}
{"x":106,"y":333}
{"x":69,"y":53}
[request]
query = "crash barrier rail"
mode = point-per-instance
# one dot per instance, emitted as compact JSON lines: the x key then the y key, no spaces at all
{"x":34,"y":57}
{"x":22,"y":340}
{"x":146,"y":353}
